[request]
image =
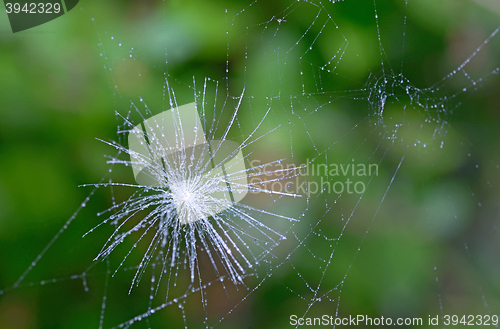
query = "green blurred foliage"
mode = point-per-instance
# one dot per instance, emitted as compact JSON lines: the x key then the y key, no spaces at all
{"x":58,"y":94}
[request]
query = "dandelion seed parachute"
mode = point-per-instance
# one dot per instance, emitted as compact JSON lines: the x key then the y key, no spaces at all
{"x":170,"y":151}
{"x":188,"y":193}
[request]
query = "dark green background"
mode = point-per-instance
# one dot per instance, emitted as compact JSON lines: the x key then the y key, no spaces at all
{"x":56,"y":97}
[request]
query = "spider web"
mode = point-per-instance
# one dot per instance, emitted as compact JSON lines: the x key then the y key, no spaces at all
{"x":307,"y":88}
